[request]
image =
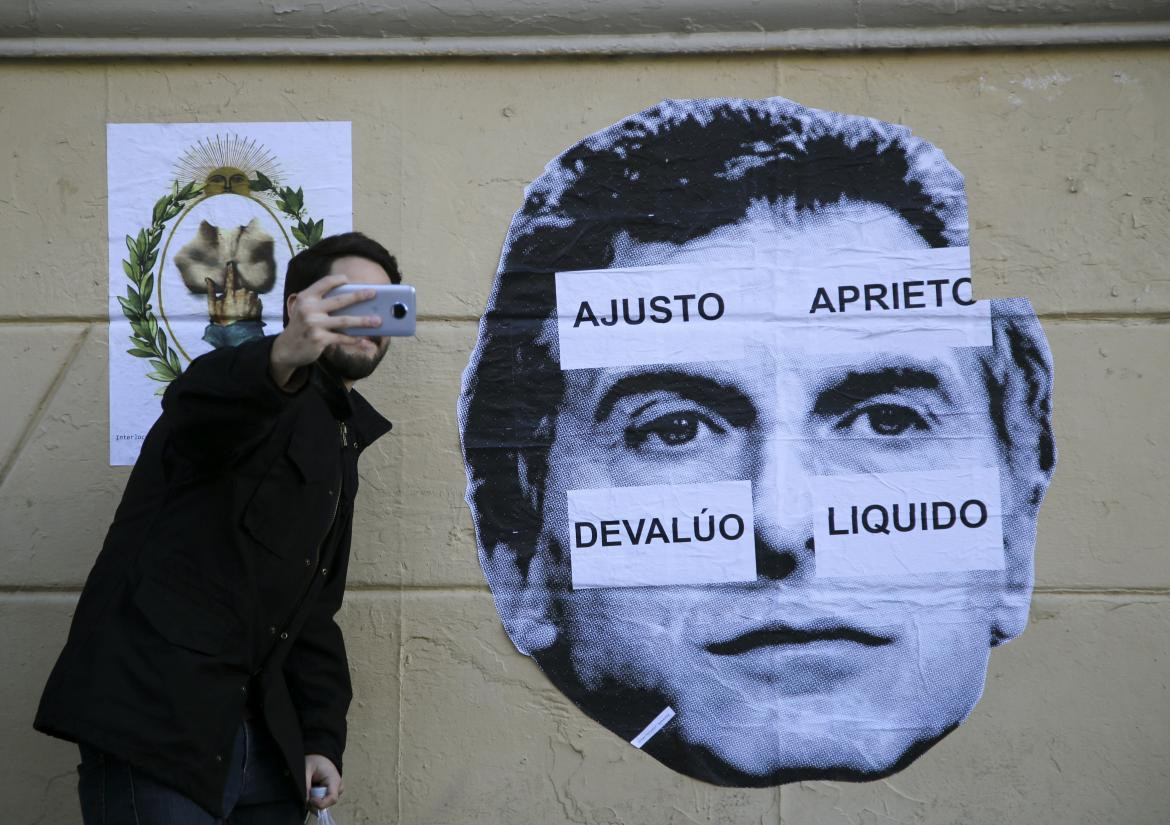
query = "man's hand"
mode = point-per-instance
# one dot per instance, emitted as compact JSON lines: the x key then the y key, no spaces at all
{"x":319,"y":770}
{"x":311,"y":328}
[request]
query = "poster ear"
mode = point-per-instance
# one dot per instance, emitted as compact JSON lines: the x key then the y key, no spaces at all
{"x":1026,"y":483}
{"x":523,"y":599}
{"x":1011,"y":615}
{"x":1025,"y":392}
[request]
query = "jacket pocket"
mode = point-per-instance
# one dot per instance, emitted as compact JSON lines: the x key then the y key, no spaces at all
{"x":315,"y":459}
{"x":185,"y":619}
{"x":289,"y":511}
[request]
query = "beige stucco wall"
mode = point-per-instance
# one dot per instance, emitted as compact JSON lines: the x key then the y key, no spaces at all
{"x":1068,"y":172}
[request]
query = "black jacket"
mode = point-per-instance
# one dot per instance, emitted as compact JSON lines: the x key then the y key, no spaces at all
{"x":221,"y":575}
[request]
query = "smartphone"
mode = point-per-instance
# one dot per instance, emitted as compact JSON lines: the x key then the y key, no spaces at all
{"x":393,"y":303}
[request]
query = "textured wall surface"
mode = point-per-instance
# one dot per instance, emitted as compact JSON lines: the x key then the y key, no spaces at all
{"x":1068,"y":176}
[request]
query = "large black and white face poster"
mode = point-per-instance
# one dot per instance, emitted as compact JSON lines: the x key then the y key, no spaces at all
{"x":754,"y":477}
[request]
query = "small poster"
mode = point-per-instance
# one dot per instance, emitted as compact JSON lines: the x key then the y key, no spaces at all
{"x":203,"y":220}
{"x":754,"y":475}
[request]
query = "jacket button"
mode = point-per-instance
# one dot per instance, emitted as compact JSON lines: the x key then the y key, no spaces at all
{"x":244,"y":689}
{"x":324,"y":571}
{"x":308,"y":563}
{"x":219,"y":757}
{"x":283,"y":636}
{"x":272,"y":631}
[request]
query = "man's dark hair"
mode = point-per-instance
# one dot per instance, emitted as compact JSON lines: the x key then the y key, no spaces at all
{"x":311,"y":265}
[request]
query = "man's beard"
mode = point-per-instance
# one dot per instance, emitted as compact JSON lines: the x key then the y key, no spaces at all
{"x":353,"y":366}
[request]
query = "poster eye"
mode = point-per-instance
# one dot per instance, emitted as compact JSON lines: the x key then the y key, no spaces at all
{"x":670,"y":430}
{"x":675,"y":429}
{"x":889,"y":419}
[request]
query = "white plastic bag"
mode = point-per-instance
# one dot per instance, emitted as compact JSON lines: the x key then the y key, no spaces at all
{"x":322,"y":817}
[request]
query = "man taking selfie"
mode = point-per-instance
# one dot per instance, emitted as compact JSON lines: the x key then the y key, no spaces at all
{"x":204,"y":677}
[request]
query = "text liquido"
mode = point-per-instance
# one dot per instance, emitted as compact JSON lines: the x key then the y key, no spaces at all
{"x":934,"y":515}
{"x":891,"y":524}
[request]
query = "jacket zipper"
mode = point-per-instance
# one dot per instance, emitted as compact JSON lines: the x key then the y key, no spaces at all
{"x":328,"y":530}
{"x":337,"y":497}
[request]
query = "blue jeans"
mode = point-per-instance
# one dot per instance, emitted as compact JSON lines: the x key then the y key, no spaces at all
{"x":113,"y":792}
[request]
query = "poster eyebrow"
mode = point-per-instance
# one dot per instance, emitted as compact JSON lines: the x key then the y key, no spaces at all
{"x":729,"y":402}
{"x":857,"y":387}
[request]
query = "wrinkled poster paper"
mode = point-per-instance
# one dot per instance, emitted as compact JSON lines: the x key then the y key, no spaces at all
{"x":203,"y":219}
{"x":754,"y":475}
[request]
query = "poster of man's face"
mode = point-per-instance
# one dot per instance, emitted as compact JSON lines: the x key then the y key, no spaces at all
{"x":754,"y":476}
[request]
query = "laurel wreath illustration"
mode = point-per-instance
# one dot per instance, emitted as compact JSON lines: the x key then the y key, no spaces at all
{"x":148,"y":339}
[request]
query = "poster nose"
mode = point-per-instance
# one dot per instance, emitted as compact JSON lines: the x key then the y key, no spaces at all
{"x":782,"y":500}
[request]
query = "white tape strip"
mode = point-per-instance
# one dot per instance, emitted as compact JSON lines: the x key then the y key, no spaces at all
{"x":658,"y":724}
{"x":662,"y":534}
{"x":890,"y":524}
{"x":846,"y":301}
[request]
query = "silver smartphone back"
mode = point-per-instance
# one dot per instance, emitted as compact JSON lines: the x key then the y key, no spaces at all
{"x":393,"y":303}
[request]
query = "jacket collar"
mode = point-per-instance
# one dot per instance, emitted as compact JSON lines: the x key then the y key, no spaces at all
{"x":350,"y":407}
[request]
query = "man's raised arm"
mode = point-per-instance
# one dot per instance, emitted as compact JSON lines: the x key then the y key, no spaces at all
{"x":228,"y":399}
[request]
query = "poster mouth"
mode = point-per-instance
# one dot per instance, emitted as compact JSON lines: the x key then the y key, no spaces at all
{"x":782,"y":636}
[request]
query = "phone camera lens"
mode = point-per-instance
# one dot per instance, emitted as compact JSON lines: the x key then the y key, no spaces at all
{"x":400,"y":311}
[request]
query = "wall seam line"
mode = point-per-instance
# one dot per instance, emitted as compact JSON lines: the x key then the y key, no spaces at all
{"x":43,"y":405}
{"x":592,"y":45}
{"x":19,"y":320}
{"x":398,"y":721}
{"x":1152,"y":318}
{"x":400,"y":590}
